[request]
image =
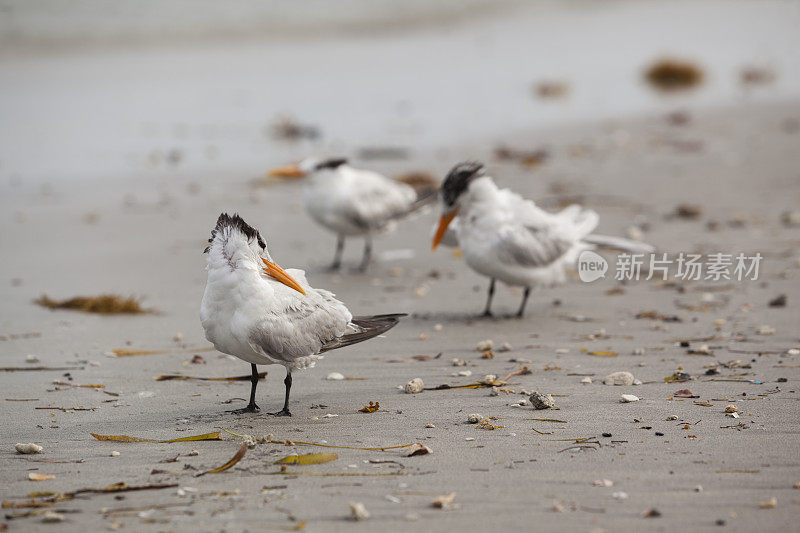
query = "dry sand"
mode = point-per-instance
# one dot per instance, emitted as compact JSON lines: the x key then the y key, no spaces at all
{"x":145,"y":238}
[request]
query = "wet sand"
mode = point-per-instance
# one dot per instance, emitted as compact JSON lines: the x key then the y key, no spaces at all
{"x":145,"y":237}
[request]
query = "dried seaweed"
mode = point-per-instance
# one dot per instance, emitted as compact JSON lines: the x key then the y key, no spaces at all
{"x":122,"y":352}
{"x":37,"y":368}
{"x":178,"y":377}
{"x":105,"y":304}
{"x":371,"y":408}
{"x":673,"y":75}
{"x":235,"y":459}
{"x":90,"y":386}
{"x":302,"y":443}
{"x":49,"y":498}
{"x":284,"y":472}
{"x":126,"y":438}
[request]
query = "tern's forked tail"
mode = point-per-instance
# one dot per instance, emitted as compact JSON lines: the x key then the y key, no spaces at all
{"x":372,"y":326}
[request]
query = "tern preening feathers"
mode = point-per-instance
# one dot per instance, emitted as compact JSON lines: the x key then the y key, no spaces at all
{"x":256,"y":311}
{"x":354,"y":202}
{"x":504,"y":236}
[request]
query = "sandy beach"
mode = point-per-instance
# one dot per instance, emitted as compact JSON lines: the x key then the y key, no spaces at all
{"x":133,"y":218}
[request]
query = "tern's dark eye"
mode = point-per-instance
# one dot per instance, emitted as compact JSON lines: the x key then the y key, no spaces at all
{"x":261,"y":243}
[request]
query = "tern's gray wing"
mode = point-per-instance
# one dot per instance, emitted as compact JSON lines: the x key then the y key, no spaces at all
{"x":377,"y":201}
{"x":302,"y":327}
{"x":529,"y":246}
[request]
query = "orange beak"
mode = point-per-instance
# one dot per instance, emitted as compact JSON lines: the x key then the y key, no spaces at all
{"x":444,"y":221}
{"x":288,"y":171}
{"x":276,"y":272}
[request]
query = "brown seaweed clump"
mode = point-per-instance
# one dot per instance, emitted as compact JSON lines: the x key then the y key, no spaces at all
{"x":674,"y":75}
{"x":105,"y":304}
{"x":425,"y":185}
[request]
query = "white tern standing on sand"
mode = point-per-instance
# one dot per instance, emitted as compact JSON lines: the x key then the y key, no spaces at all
{"x":352,"y":202}
{"x":504,"y":236}
{"x":256,"y":311}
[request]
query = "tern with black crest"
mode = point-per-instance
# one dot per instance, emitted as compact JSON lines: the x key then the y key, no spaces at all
{"x":262,"y":314}
{"x":353,"y":202}
{"x":508,"y":238}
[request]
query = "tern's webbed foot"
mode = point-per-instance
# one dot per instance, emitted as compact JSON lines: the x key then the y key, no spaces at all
{"x":251,"y":408}
{"x":282,"y":412}
{"x":487,"y":314}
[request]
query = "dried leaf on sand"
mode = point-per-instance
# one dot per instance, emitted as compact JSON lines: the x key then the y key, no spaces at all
{"x":603,"y":353}
{"x":307,"y":459}
{"x":126,"y":438}
{"x":106,"y":304}
{"x":33,"y":476}
{"x":235,"y":459}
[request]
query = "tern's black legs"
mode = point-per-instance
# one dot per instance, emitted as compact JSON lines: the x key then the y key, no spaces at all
{"x":488,"y":310}
{"x":337,"y":258}
{"x":367,"y":254}
{"x":524,"y":302}
{"x":288,"y":383}
{"x":251,"y":407}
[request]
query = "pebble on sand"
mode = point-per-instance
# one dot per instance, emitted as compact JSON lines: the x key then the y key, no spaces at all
{"x":50,"y":517}
{"x":115,"y":453}
{"x":541,"y":401}
{"x":445,"y":501}
{"x":766,"y":330}
{"x":418,"y":449}
{"x":335,"y":376}
{"x":619,"y":378}
{"x":27,"y":447}
{"x":484,"y":345}
{"x":730,"y":408}
{"x":772,"y":503}
{"x":628,"y":398}
{"x":587,"y":380}
{"x":672,"y":417}
{"x":358,"y":511}
{"x":414,"y":386}
{"x":474,"y":418}
{"x":30,"y":358}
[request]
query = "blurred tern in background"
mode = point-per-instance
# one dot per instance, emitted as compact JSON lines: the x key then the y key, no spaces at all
{"x":506,"y":237}
{"x":256,"y":311}
{"x":353,"y":202}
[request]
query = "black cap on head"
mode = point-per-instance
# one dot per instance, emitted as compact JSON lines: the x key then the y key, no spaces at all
{"x":238,"y":223}
{"x":458,"y":179}
{"x":330,"y":164}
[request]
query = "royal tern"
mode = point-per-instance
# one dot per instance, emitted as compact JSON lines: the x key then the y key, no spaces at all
{"x":354,"y":202}
{"x":504,"y":236}
{"x":256,"y":311}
